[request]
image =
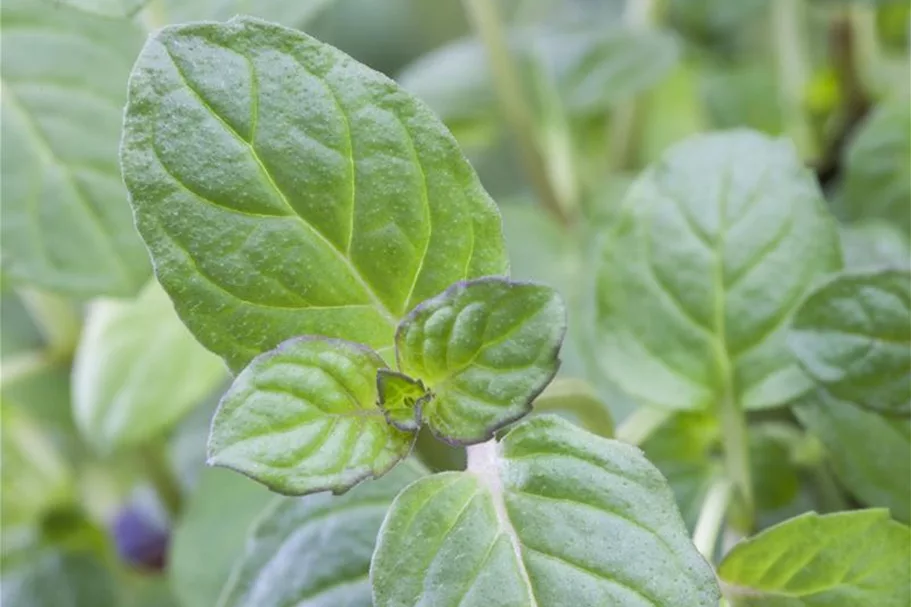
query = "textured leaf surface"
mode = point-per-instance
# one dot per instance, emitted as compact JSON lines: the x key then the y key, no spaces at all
{"x":316,"y":550}
{"x":485,"y":349}
{"x":210,"y":536}
{"x":716,"y":246}
{"x":870,"y":452}
{"x":853,"y":335}
{"x":401,"y":398}
{"x":284,"y":189}
{"x":550,"y":516}
{"x":66,"y":223}
{"x":878,"y":167}
{"x":138,"y":370}
{"x":303,"y":418}
{"x":841,"y":559}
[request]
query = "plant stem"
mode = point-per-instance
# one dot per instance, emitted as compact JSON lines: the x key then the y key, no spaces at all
{"x":56,"y":319}
{"x":711,"y":518}
{"x":737,"y":454}
{"x":485,"y":19}
{"x":161,"y":474}
{"x":20,"y":366}
{"x":793,"y":72}
{"x":640,"y":424}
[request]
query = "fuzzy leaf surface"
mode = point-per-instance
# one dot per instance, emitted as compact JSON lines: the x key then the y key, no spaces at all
{"x":485,"y":349}
{"x":304,"y":418}
{"x":549,"y":516}
{"x":285,"y":189}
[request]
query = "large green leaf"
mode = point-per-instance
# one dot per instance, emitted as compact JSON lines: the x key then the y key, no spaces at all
{"x":834,"y":560}
{"x":284,"y":189}
{"x":211,"y":533}
{"x":304,"y":418}
{"x":485,"y":349}
{"x":870,"y":452}
{"x":550,"y":516}
{"x":138,"y":370}
{"x":316,"y":550}
{"x":878,"y":166}
{"x":853,"y":335}
{"x":66,"y":222}
{"x":715,"y":248}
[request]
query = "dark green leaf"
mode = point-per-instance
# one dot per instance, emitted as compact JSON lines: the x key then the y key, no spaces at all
{"x":843,"y":559}
{"x":485,"y":349}
{"x":304,"y":418}
{"x":853,"y":335}
{"x":550,"y":516}
{"x":316,"y":550}
{"x":284,"y":189}
{"x":66,"y":222}
{"x":716,"y":246}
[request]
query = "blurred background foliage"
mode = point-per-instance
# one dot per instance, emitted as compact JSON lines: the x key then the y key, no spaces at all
{"x":106,"y":399}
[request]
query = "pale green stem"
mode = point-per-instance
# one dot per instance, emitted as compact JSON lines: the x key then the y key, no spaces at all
{"x":793,"y":72}
{"x":711,"y":518}
{"x":56,"y":320}
{"x":867,"y":52}
{"x":640,"y":424}
{"x":161,"y":474}
{"x":485,"y":19}
{"x":153,"y":16}
{"x":21,"y":366}
{"x":737,"y":452}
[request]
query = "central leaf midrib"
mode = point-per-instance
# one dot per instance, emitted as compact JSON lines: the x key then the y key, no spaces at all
{"x":353,"y":269}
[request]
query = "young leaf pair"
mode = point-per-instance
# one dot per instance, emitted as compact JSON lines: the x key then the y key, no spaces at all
{"x":318,"y":413}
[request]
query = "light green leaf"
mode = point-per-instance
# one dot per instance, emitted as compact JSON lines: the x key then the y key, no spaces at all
{"x":316,"y":550}
{"x":874,"y":243}
{"x":401,"y":398}
{"x":715,"y":248}
{"x":550,"y":516}
{"x":576,"y":400}
{"x":485,"y":349}
{"x":108,"y":8}
{"x":878,"y":167}
{"x":285,"y":189}
{"x":304,"y":418}
{"x":834,"y":560}
{"x":870,"y":452}
{"x":210,"y":535}
{"x":137,"y":371}
{"x":53,"y":578}
{"x":853,"y":335}
{"x":67,"y":226}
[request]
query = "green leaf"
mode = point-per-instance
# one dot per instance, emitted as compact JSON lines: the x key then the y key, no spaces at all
{"x":137,"y":371}
{"x":870,"y":453}
{"x":211,"y":533}
{"x":549,"y":516}
{"x":304,"y":418}
{"x":53,"y":578}
{"x":67,"y":226}
{"x":576,"y":399}
{"x":853,"y":335}
{"x":485,"y":349}
{"x":878,"y":167}
{"x":285,"y":189}
{"x":401,"y":398}
{"x":841,"y":559}
{"x":715,"y":248}
{"x":316,"y":550}
{"x":873,"y":244}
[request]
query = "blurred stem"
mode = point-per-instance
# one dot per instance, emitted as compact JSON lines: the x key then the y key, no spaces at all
{"x":161,"y":474}
{"x":20,"y":366}
{"x":640,"y":424}
{"x":485,"y":19}
{"x":711,"y":518}
{"x":867,"y":58}
{"x":793,"y":72}
{"x":56,"y":320}
{"x":737,"y":454}
{"x":828,"y":493}
{"x":153,"y":15}
{"x":622,"y":131}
